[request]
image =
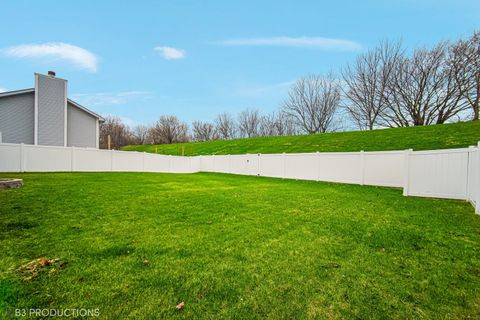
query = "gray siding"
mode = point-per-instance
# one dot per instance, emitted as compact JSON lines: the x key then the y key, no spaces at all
{"x":51,"y":99}
{"x":17,"y":118}
{"x":82,"y":128}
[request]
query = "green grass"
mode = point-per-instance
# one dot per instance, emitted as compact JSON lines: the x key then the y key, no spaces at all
{"x":457,"y":135}
{"x":237,"y":247}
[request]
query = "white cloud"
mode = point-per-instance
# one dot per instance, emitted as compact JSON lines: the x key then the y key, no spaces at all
{"x":108,"y":98}
{"x":307,"y":42}
{"x":56,"y":51}
{"x":170,"y":53}
{"x":3,"y":90}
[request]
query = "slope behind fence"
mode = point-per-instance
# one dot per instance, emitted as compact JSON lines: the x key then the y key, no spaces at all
{"x":449,"y":173}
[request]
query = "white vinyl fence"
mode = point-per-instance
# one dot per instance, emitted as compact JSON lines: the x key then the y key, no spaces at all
{"x":386,"y":168}
{"x":36,"y":158}
{"x":449,"y":173}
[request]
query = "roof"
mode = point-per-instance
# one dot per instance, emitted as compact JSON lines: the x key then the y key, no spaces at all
{"x":13,"y":93}
{"x":30,"y":90}
{"x":78,"y":105}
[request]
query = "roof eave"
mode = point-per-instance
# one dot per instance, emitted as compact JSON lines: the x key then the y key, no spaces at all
{"x":76,"y":104}
{"x":16,"y":92}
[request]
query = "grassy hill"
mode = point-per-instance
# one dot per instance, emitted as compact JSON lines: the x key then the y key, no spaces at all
{"x":456,"y":135}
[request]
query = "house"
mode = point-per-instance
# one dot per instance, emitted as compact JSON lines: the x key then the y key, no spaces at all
{"x":45,"y":116}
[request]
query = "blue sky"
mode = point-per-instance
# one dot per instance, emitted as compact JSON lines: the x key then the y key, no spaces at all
{"x":194,"y":59}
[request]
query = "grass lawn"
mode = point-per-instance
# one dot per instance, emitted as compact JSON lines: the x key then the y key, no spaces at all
{"x":445,"y":136}
{"x":236,"y":247}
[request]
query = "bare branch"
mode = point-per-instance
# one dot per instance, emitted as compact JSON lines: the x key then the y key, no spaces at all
{"x":366,"y":84}
{"x":225,"y":126}
{"x":248,"y":123}
{"x":119,"y":133}
{"x":312,"y":102}
{"x":203,"y":131}
{"x":169,"y":129}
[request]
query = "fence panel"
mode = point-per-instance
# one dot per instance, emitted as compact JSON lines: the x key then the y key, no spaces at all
{"x":127,"y":161}
{"x":272,"y":165}
{"x":207,"y":163}
{"x":340,"y":167}
{"x":221,"y":163}
{"x":301,"y":166}
{"x":195,"y":164}
{"x":245,"y":164}
{"x":440,"y":174}
{"x":47,"y":158}
{"x":179,"y":164}
{"x":91,"y":160}
{"x":385,"y":169}
{"x":10,"y":158}
{"x":156,"y":163}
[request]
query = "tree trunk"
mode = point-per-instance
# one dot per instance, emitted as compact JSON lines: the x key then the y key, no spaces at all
{"x":476,"y":109}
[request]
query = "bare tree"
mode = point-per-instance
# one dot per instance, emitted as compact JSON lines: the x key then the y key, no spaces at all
{"x":225,"y":126}
{"x":422,"y":90}
{"x":312,"y":101}
{"x":366,"y":84}
{"x":285,"y":124}
{"x":203,"y":131}
{"x":277,"y":124}
{"x":248,"y":123}
{"x":268,"y":125}
{"x":465,"y":63}
{"x":169,"y":129}
{"x":141,"y":133}
{"x":450,"y":100}
{"x":120,"y":134}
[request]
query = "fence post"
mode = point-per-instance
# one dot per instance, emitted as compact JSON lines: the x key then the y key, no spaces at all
{"x":406,"y":175}
{"x":22,"y":157}
{"x":471,"y":163}
{"x":143,"y":161}
{"x":72,"y":159}
{"x":362,"y":163}
{"x":229,"y":163}
{"x":111,"y":160}
{"x":318,"y":165}
{"x":284,"y":165}
{"x":258,"y":163}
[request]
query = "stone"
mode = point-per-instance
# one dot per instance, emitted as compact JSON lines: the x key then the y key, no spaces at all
{"x":10,"y":183}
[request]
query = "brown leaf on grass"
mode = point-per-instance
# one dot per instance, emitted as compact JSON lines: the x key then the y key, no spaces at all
{"x":43,"y":261}
{"x":31,"y":277}
{"x":180,"y":306}
{"x":30,"y":270}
